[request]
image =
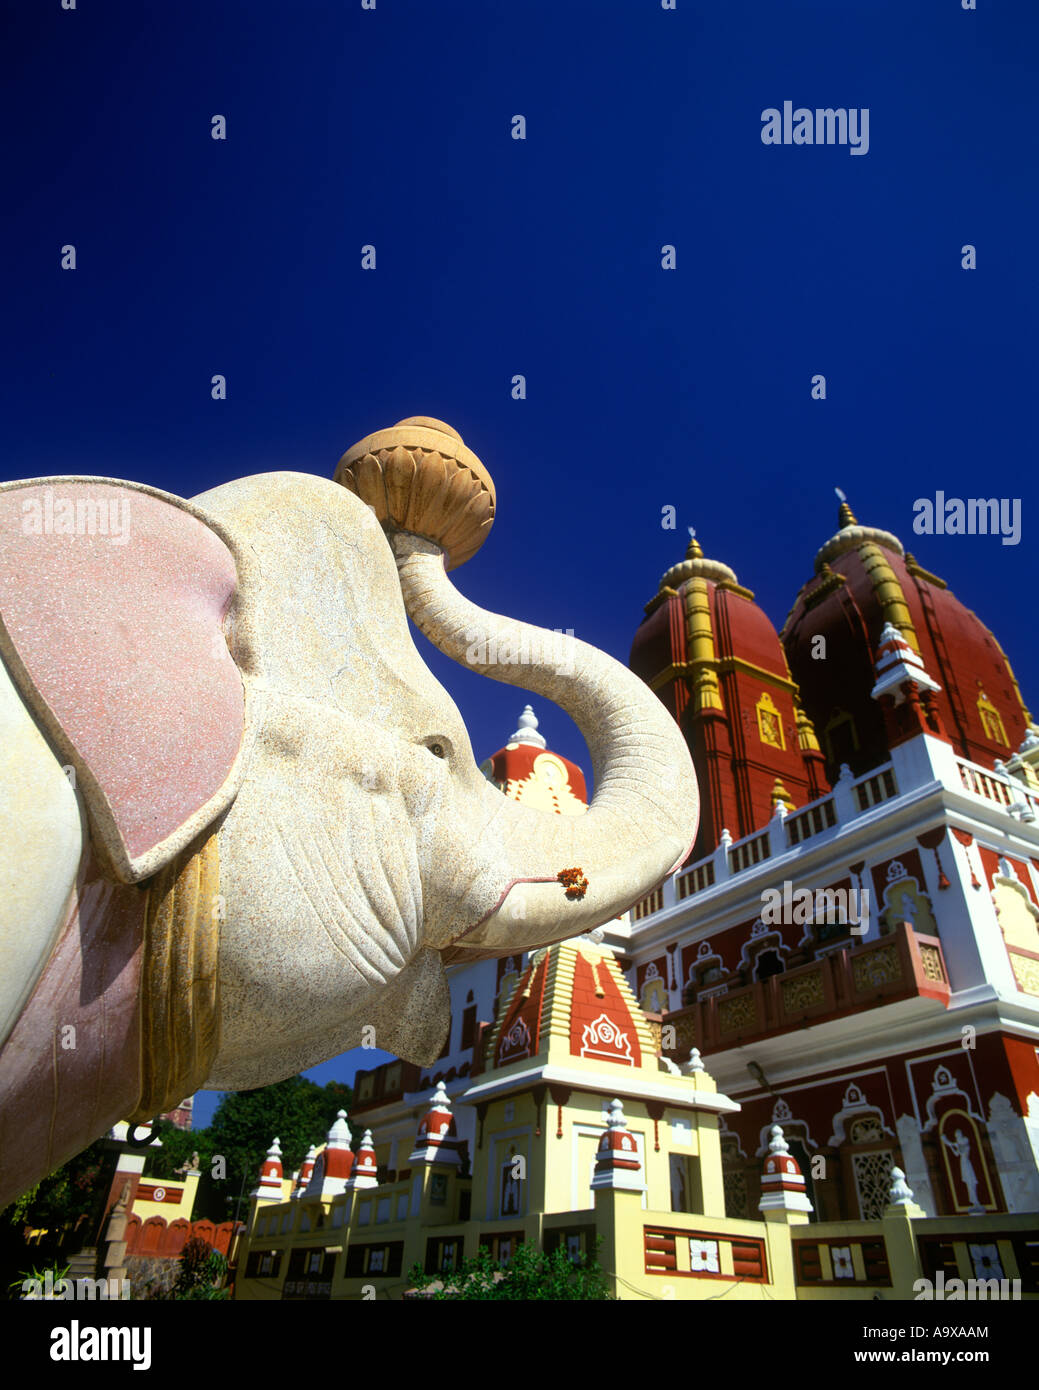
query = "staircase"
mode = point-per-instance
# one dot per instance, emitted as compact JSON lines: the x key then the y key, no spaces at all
{"x":83,"y":1265}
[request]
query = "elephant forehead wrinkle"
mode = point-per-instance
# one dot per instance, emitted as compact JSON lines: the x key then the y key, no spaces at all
{"x":387,"y":903}
{"x":347,"y":944}
{"x":297,"y":860}
{"x":377,"y":870}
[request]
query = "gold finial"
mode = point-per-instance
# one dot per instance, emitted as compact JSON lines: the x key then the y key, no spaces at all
{"x":845,"y":517}
{"x":694,"y":565}
{"x":419,"y":476}
{"x":807,"y":740}
{"x":780,"y":794}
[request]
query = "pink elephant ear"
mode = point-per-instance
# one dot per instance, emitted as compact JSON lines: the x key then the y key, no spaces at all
{"x":112,"y":599}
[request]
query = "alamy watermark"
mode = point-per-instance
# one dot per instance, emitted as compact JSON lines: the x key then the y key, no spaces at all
{"x":954,"y":1290}
{"x":49,"y":1288}
{"x":54,"y":515}
{"x":971,"y":516}
{"x":76,"y":1343}
{"x":805,"y":125}
{"x":834,"y":905}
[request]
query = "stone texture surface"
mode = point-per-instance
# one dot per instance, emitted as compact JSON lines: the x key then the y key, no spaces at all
{"x":42,"y":838}
{"x":61,"y":1089}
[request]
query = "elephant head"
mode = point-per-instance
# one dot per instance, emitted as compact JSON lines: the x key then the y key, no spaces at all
{"x":233,"y":682}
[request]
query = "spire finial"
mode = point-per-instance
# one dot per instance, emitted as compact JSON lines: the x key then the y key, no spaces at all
{"x":780,"y":796}
{"x":845,"y":517}
{"x":616,"y":1120}
{"x":617,"y":1162}
{"x":527,"y":730}
{"x":900,"y":1193}
{"x":777,"y":1141}
{"x":695,"y":1062}
{"x":339,"y":1134}
{"x":693,"y":551}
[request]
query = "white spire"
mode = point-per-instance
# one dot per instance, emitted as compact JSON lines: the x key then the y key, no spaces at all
{"x":269,"y":1186}
{"x":303,"y":1177}
{"x":897,"y":663}
{"x":617,"y":1162}
{"x":339,"y":1135}
{"x":527,"y":732}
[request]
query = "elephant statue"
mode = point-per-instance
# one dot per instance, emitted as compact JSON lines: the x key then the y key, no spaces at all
{"x":240,"y":819}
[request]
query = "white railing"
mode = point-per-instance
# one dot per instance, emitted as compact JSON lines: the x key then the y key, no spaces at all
{"x":849,"y":799}
{"x":998,"y":787}
{"x":875,"y":787}
{"x":811,"y":820}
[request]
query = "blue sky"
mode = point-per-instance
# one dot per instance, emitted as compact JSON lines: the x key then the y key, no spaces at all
{"x":645,"y":387}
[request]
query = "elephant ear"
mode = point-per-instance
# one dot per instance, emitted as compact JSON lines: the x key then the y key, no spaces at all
{"x":112,"y":601}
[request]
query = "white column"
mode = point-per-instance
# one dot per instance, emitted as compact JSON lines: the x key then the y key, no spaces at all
{"x":777,"y":832}
{"x":1016,"y":1152}
{"x":914,"y":1164}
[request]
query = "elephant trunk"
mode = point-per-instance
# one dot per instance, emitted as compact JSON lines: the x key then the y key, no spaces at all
{"x":643,"y":816}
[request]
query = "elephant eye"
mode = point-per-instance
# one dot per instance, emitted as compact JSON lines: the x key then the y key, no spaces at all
{"x":438,"y":750}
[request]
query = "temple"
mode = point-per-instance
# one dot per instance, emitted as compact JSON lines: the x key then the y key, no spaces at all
{"x":807,"y":1064}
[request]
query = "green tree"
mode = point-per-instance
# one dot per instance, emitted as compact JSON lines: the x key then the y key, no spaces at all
{"x":64,"y":1196}
{"x":297,"y":1111}
{"x":178,"y":1148}
{"x":530,"y":1276}
{"x":201,"y":1274}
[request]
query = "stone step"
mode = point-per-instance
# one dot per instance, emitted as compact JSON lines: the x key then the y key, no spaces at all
{"x":83,"y":1264}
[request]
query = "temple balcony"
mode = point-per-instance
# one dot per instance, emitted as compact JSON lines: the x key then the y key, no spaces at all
{"x":903,"y":966}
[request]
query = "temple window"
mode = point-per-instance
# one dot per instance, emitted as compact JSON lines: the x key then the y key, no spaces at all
{"x":841,"y":737}
{"x":768,"y":964}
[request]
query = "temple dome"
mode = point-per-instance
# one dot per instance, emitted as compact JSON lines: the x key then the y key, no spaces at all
{"x":714,"y":658}
{"x":863,"y":582}
{"x":528,"y":771}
